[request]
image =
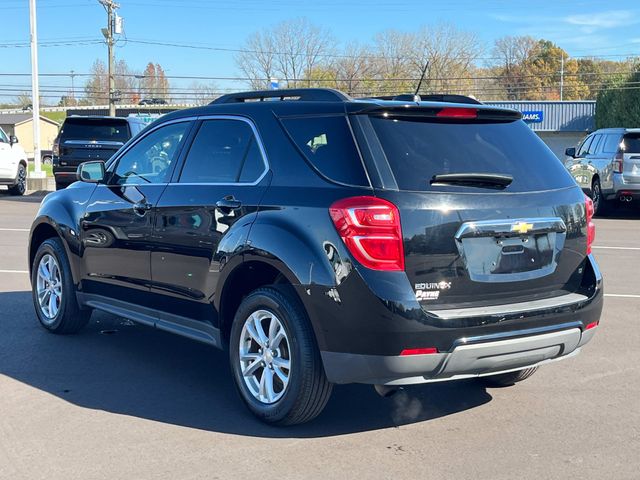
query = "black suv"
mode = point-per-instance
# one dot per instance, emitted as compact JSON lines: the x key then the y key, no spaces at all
{"x":85,"y":138}
{"x":322,"y":239}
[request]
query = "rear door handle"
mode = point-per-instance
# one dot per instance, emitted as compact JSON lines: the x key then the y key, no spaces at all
{"x":140,"y":208}
{"x":228,"y":204}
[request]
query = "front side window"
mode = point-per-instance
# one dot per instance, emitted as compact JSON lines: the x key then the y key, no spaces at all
{"x":151,"y":158}
{"x":3,"y":137}
{"x":223,"y":151}
{"x":584,"y":148}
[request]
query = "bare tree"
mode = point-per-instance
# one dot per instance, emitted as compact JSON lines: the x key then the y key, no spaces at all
{"x":289,"y":51}
{"x":511,"y":57}
{"x":356,"y":70}
{"x":203,"y":93}
{"x":451,"y":55}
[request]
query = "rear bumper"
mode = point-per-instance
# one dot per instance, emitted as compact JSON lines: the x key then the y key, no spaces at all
{"x":623,"y":188}
{"x":470,"y":358}
{"x":366,"y":347}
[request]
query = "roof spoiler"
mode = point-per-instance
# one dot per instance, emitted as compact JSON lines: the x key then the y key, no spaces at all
{"x":436,"y":97}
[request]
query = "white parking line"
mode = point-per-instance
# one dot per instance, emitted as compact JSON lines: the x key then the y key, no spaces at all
{"x":621,"y":295}
{"x":14,"y":229}
{"x":14,"y":271}
{"x":616,"y":248}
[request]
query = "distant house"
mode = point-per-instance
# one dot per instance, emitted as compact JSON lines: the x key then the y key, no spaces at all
{"x":558,"y":124}
{"x":21,"y":125}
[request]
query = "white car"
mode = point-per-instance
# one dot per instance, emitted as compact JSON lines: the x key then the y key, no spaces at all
{"x":13,"y":164}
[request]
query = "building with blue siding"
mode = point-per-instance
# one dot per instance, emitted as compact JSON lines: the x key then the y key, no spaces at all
{"x":558,"y":124}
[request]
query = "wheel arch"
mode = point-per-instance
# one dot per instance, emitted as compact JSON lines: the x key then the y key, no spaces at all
{"x":246,"y":277}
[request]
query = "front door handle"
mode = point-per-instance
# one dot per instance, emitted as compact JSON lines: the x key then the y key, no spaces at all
{"x":140,"y":208}
{"x":227,"y":204}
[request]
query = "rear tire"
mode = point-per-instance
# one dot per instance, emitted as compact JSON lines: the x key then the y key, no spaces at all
{"x":508,"y":379}
{"x":20,"y":186}
{"x":53,"y":291}
{"x":286,"y":358}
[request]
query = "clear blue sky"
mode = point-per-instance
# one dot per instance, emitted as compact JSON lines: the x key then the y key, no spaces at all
{"x":588,"y":27}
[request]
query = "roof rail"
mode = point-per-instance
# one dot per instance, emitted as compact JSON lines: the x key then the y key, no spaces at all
{"x":436,"y":97}
{"x":304,"y":94}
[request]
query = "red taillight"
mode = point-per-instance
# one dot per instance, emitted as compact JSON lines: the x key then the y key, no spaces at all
{"x":370,"y":228}
{"x":591,"y":325}
{"x":618,"y":162}
{"x":455,"y":112}
{"x":591,"y":227}
{"x":419,"y":351}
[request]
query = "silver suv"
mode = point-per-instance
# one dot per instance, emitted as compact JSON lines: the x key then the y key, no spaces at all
{"x":606,"y":165}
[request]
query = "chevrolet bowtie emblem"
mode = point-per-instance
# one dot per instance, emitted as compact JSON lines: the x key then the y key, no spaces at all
{"x":521,"y":227}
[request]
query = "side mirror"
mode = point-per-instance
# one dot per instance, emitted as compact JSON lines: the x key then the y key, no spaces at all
{"x":91,"y":172}
{"x":13,"y":139}
{"x":570,"y":152}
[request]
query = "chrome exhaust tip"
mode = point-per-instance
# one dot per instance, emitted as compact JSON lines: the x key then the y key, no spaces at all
{"x":386,"y":391}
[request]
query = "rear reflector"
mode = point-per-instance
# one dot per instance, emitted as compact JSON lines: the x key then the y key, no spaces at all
{"x":458,"y":113}
{"x":418,"y":351}
{"x":370,"y":228}
{"x":591,"y":227}
{"x":591,"y":325}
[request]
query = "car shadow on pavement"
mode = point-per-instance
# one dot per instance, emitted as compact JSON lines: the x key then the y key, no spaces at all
{"x":33,"y":197}
{"x":116,"y":366}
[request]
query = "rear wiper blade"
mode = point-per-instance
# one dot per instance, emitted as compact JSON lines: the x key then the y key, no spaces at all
{"x":486,"y":180}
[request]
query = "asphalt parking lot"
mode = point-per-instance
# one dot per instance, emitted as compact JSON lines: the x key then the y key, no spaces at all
{"x":127,"y":402}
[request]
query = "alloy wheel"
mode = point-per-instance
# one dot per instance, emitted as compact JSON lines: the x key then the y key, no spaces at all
{"x":265,"y":356}
{"x":49,"y":288}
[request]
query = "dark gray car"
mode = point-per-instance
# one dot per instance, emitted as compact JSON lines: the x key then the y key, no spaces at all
{"x":606,"y":165}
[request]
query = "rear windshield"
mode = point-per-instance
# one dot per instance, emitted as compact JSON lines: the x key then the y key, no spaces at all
{"x":102,"y":129}
{"x":419,"y":148}
{"x":328,"y":145}
{"x":632,"y":143}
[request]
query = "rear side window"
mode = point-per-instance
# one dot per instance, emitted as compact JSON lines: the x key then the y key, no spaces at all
{"x":631,"y":143}
{"x":611,"y":144}
{"x":100,"y":129}
{"x":223,"y":151}
{"x":328,"y":145}
{"x":419,"y":148}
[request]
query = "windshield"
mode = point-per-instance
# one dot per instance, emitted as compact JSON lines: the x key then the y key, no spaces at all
{"x":417,"y":149}
{"x":100,"y":129}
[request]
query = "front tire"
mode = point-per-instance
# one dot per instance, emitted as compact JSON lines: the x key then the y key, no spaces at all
{"x":53,"y":291}
{"x":275,"y":360}
{"x":20,"y":186}
{"x":509,"y":378}
{"x":600,"y":204}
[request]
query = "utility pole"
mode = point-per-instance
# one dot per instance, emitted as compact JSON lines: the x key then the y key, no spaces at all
{"x":110,"y":6}
{"x":35,"y":91}
{"x":561,"y":76}
{"x":73,"y":89}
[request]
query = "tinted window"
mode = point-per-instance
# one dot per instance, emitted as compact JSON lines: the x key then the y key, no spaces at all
{"x":611,"y":144}
{"x":584,"y":148}
{"x":149,"y":160}
{"x":632,"y":143}
{"x":3,"y":137}
{"x":417,"y":149}
{"x":223,"y":151}
{"x":328,"y":145}
{"x":102,"y":129}
{"x":593,"y":148}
